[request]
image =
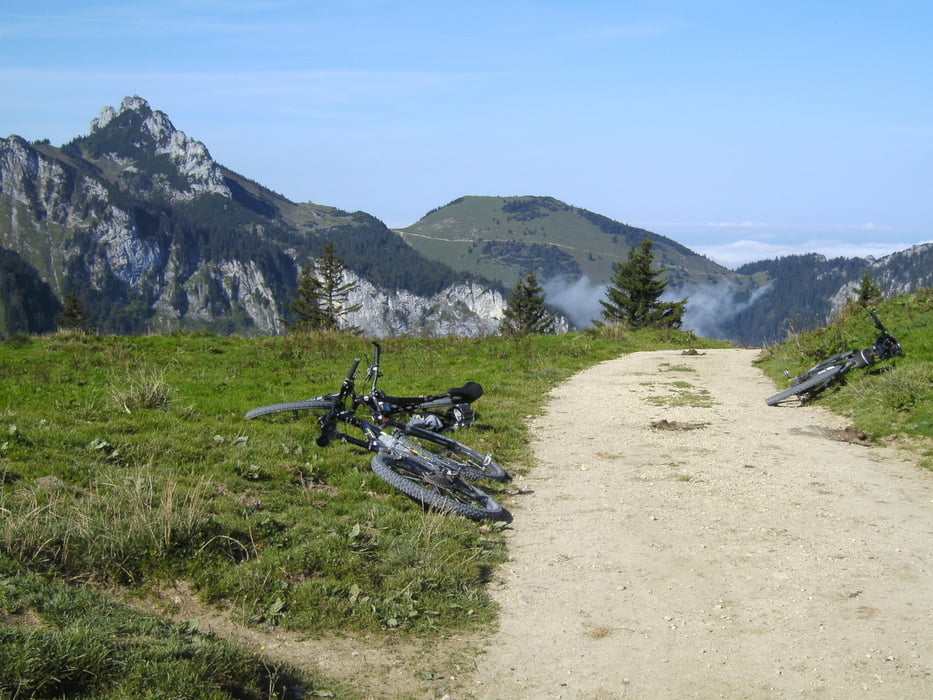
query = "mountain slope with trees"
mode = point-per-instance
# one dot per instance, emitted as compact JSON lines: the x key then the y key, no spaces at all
{"x":153,"y":234}
{"x":139,"y":224}
{"x":803,"y":292}
{"x":505,"y":237}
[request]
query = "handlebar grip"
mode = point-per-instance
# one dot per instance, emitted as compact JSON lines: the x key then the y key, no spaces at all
{"x":352,"y":372}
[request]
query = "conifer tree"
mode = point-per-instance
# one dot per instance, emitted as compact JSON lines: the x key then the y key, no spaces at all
{"x":305,"y":306}
{"x":320,"y":302}
{"x":634,"y":292}
{"x":334,"y":290}
{"x":73,"y":317}
{"x":526,"y":312}
{"x":868,"y":291}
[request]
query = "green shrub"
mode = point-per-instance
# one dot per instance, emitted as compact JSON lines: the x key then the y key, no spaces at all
{"x":75,"y":643}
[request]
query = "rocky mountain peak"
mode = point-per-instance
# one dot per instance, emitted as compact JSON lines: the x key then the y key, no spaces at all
{"x":136,"y":136}
{"x":108,"y":114}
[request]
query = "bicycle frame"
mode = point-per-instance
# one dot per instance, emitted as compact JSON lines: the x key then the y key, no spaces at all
{"x":885,"y":347}
{"x":343,"y":407}
{"x":342,"y":413}
{"x":346,"y":403}
{"x":437,"y":412}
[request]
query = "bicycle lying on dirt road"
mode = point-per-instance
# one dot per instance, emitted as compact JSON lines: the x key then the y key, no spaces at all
{"x":427,"y":466}
{"x":819,"y":377}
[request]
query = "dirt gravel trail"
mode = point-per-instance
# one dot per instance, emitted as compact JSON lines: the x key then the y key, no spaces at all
{"x":678,"y":538}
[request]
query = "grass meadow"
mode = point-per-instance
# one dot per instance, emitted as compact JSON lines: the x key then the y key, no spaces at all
{"x":126,"y":464}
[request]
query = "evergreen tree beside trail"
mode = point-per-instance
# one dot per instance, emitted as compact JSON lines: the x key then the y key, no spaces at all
{"x":526,"y":312}
{"x":633,"y":297}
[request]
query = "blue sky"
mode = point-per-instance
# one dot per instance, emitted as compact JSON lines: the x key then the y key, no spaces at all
{"x":743,"y":130}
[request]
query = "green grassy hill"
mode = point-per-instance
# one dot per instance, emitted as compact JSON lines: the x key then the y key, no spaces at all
{"x":502,"y":238}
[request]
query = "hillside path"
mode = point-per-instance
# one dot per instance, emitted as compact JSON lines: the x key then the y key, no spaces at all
{"x":737,"y":550}
{"x":677,"y":538}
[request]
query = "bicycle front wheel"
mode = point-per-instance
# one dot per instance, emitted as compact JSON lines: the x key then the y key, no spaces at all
{"x":814,"y":384}
{"x":473,"y":464}
{"x":319,"y":404}
{"x":434,"y":488}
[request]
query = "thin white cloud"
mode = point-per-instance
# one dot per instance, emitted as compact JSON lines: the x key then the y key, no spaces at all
{"x":162,"y":19}
{"x":322,"y":85}
{"x":737,"y":224}
{"x":799,"y":228}
{"x":738,"y":253}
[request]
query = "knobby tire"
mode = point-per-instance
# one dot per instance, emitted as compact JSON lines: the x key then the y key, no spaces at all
{"x":817,"y":382}
{"x":432,"y":488}
{"x":291,"y":407}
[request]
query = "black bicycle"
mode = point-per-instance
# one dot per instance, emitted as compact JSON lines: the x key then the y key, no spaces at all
{"x":432,"y":478}
{"x":819,"y":377}
{"x":423,"y":418}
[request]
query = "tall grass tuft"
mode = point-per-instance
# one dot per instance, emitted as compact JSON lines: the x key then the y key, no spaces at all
{"x":910,"y":387}
{"x":108,"y":533}
{"x":146,"y":389}
{"x":68,"y":641}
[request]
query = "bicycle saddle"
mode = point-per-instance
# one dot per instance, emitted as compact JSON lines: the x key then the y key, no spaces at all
{"x":467,"y":393}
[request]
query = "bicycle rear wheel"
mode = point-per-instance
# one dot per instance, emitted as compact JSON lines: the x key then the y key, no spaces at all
{"x":318,"y":404}
{"x":473,"y":464}
{"x":814,"y":384}
{"x":435,"y":488}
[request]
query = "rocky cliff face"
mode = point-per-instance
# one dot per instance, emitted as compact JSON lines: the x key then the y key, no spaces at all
{"x":156,"y":236}
{"x":462,"y":310}
{"x":899,"y":273}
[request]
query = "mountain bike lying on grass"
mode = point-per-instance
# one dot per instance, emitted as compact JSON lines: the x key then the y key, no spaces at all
{"x":430,"y":475}
{"x":824,"y":374}
{"x":427,"y":418}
